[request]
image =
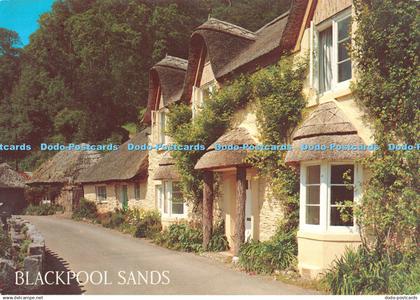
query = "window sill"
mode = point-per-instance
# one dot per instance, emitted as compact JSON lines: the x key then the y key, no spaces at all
{"x":329,"y":236}
{"x":341,"y":91}
{"x":173,"y":217}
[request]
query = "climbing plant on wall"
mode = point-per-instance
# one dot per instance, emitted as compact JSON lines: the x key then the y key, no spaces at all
{"x":280,"y":101}
{"x":387,"y":86}
{"x":277,"y":93}
{"x":206,"y":127}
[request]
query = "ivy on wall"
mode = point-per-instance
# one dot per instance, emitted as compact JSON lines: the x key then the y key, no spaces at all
{"x":386,"y":52}
{"x":280,"y":102}
{"x":387,"y":87}
{"x":277,"y":92}
{"x":207,"y":126}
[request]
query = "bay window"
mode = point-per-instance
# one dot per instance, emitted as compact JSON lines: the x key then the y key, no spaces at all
{"x":327,"y":194}
{"x":331,"y":41}
{"x":169,"y":199}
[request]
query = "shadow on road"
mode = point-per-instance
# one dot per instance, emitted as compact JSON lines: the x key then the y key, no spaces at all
{"x":57,"y":264}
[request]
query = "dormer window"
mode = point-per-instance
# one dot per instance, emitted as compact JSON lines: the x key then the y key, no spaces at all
{"x":201,"y":95}
{"x":332,"y":63}
{"x":162,"y":127}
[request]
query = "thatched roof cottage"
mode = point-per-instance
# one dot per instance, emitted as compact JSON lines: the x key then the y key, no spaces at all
{"x":56,"y":177}
{"x":219,"y":52}
{"x":12,"y":188}
{"x":166,"y":81}
{"x":119,"y":179}
{"x":331,"y":175}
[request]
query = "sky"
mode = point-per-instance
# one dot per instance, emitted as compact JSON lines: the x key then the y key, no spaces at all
{"x":22,"y":16}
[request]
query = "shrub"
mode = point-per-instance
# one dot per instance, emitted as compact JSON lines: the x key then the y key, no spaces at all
{"x":366,"y":272}
{"x":5,"y":243}
{"x":43,"y":209}
{"x":189,"y":238}
{"x":23,"y":252}
{"x":137,"y":222}
{"x":181,"y":237}
{"x":218,"y":241}
{"x":149,"y":225}
{"x":278,"y":253}
{"x":117,"y":218}
{"x":85,"y":210}
{"x":104,"y":219}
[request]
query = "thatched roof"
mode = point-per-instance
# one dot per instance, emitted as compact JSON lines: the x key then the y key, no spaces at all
{"x":64,"y":167}
{"x":233,"y":50}
{"x":226,"y":158}
{"x":9,"y":178}
{"x":168,"y":74}
{"x":120,"y":165}
{"x":166,"y":169}
{"x":326,"y":125}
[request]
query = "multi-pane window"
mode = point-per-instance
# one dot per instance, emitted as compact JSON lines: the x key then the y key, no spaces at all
{"x":328,"y":195}
{"x":169,"y":199}
{"x":312,"y":195}
{"x":343,"y":46}
{"x":177,"y":200}
{"x":137,"y":191}
{"x":101,"y":193}
{"x":333,"y":62}
{"x":341,"y":193}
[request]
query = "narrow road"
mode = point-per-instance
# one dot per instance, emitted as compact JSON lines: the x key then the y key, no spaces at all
{"x":85,"y":247}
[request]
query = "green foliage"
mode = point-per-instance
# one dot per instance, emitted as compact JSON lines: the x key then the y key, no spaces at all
{"x":43,"y":209}
{"x":23,"y":252}
{"x":277,"y":92}
{"x":84,"y":74}
{"x":85,"y":210}
{"x":280,"y":102}
{"x":149,"y":225}
{"x":218,"y":241}
{"x":209,"y":124}
{"x":137,"y":222}
{"x":278,"y":253}
{"x":189,"y":238}
{"x":251,"y":14}
{"x":117,"y":218}
{"x":387,"y":87}
{"x":181,"y":237}
{"x":368,"y":272}
{"x":5,"y":243}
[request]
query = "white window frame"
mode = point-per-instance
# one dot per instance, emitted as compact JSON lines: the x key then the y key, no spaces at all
{"x":137,"y":185}
{"x":97,"y":187}
{"x":325,"y":196}
{"x":163,"y":194}
{"x":154,"y":125}
{"x":162,"y":139}
{"x":198,"y":96}
{"x":314,"y":59}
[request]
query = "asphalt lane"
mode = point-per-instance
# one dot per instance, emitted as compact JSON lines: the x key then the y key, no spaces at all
{"x":121,"y":264}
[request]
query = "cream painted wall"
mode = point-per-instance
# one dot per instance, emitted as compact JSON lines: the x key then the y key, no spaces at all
{"x":316,"y":251}
{"x":112,"y":201}
{"x":207,"y":75}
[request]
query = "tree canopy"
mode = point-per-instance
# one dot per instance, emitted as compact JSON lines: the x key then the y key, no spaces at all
{"x":84,"y":74}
